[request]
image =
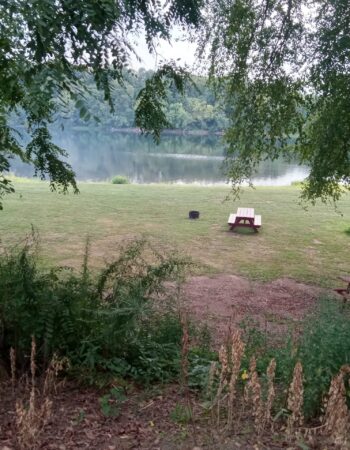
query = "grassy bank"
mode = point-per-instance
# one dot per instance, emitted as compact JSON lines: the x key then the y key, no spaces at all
{"x":311,"y":246}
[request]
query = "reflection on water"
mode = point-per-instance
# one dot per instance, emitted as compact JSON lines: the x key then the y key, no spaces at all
{"x":99,"y":155}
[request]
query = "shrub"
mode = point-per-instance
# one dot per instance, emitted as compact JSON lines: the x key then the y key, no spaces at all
{"x":322,"y":348}
{"x":120,"y":179}
{"x":121,"y":322}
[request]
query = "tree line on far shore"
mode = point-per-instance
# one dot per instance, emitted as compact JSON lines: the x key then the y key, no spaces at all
{"x":198,"y":109}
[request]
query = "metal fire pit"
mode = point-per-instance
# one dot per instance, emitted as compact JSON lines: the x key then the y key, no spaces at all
{"x":193,"y":215}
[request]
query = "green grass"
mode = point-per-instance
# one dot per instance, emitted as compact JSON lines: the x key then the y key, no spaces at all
{"x":311,"y":246}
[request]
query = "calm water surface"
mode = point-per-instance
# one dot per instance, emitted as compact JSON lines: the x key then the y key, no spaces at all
{"x":98,"y":155}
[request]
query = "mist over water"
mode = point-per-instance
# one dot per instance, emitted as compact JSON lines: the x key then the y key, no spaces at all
{"x":98,"y":155}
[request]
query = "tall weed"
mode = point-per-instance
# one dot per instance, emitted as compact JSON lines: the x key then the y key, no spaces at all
{"x":123,"y":321}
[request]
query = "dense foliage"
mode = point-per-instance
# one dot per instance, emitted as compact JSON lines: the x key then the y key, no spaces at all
{"x":120,"y":323}
{"x":321,"y":343}
{"x":285,"y":66}
{"x":46,"y":48}
{"x":197,"y":109}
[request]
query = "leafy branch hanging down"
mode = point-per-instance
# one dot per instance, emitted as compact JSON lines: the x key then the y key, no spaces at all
{"x":47,"y":47}
{"x":151,"y":100}
{"x":284,"y":67}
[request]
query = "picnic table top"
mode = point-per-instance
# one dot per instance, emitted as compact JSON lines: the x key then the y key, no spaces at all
{"x":247,"y":213}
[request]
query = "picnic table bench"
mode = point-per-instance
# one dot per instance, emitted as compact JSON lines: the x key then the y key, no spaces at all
{"x":344,"y":292}
{"x":245,"y":217}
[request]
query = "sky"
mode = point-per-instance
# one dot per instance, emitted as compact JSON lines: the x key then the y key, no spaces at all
{"x":180,"y":49}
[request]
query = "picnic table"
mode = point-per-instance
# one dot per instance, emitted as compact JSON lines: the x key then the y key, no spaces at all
{"x":344,"y":292}
{"x":245,"y":217}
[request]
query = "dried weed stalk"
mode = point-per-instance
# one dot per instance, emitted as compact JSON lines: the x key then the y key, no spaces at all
{"x":296,"y":399}
{"x":32,"y":420}
{"x":185,"y":343}
{"x":211,"y":378}
{"x":252,"y":395}
{"x":237,"y":351}
{"x":271,"y":370}
{"x":258,"y":411}
{"x":222,"y":379}
{"x":56,"y":366}
{"x":13,"y":367}
{"x":247,"y":387}
{"x":337,"y":416}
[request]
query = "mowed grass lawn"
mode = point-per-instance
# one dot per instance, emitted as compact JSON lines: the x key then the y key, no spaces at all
{"x":308,"y":245}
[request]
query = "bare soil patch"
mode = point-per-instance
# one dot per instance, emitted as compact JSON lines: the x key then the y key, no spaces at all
{"x":228,"y":299}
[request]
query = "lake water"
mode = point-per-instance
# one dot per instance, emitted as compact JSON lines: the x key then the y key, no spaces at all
{"x":98,"y":155}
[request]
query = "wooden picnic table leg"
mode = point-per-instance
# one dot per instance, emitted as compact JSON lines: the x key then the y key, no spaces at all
{"x":234,"y":225}
{"x":237,"y":223}
{"x":251,"y":223}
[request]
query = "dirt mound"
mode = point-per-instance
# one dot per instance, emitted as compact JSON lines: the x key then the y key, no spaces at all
{"x":226,"y":299}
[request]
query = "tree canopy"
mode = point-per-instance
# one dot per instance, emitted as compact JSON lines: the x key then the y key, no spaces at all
{"x":284,"y":65}
{"x":46,"y":49}
{"x":281,"y":67}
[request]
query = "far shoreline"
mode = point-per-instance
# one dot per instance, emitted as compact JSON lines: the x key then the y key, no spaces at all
{"x":135,"y":130}
{"x":171,"y":131}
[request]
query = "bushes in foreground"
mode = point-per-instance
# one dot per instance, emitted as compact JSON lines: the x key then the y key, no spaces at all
{"x":323,"y":349}
{"x":123,"y":322}
{"x":321,"y":343}
{"x":120,"y":322}
{"x":235,"y":398}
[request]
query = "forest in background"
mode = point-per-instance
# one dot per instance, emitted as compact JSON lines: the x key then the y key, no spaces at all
{"x":198,"y":109}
